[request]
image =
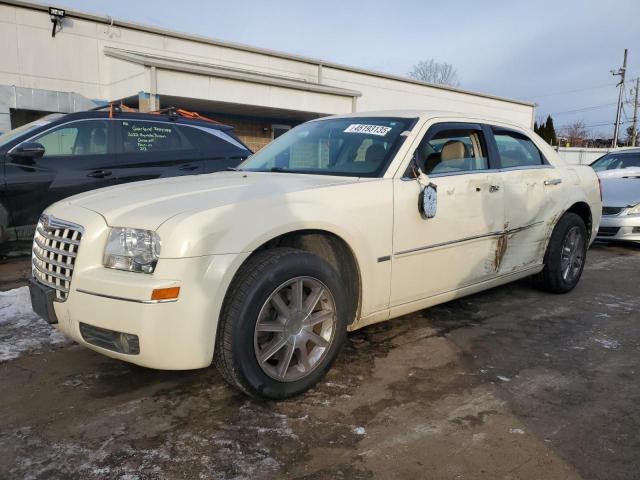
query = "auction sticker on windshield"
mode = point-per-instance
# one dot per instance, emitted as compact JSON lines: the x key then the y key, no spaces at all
{"x":370,"y":129}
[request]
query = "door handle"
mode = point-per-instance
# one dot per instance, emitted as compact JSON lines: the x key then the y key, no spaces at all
{"x":555,"y":181}
{"x":99,"y":174}
{"x":189,"y":168}
{"x":494,"y":188}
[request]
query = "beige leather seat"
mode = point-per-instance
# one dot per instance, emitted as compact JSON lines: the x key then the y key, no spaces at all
{"x":452,"y":150}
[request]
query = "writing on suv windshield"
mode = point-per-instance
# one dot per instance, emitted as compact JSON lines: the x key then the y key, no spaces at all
{"x":361,"y":146}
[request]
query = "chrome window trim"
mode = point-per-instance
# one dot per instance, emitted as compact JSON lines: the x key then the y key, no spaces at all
{"x":484,"y":170}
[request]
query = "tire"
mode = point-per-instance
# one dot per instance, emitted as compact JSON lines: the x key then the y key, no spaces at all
{"x":276,"y":297}
{"x":556,"y":277}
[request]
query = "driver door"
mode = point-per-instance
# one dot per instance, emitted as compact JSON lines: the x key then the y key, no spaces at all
{"x":78,"y":157}
{"x":458,"y":246}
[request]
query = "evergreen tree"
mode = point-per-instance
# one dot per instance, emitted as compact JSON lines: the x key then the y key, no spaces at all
{"x":536,"y":128}
{"x":550,"y":131}
{"x":543,"y":131}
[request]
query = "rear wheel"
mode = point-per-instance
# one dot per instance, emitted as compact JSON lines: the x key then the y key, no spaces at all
{"x":565,"y":256}
{"x":282,"y":324}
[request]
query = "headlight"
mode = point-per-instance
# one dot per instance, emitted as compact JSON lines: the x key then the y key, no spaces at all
{"x":132,"y":249}
{"x":635,"y":210}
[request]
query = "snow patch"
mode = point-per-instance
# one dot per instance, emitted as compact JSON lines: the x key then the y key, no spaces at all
{"x":608,"y":343}
{"x":517,"y":431}
{"x":359,"y":430}
{"x":22,"y":331}
{"x":502,"y":378}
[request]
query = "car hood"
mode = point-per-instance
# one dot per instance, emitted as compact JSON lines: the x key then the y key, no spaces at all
{"x":150,"y":203}
{"x":620,"y":192}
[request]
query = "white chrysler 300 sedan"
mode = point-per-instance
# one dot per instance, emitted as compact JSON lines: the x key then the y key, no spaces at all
{"x":340,"y":223}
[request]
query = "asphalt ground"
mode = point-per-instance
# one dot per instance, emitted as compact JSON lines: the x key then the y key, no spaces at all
{"x":511,"y":383}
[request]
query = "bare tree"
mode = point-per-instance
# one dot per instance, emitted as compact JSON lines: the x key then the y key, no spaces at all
{"x":576,"y":133}
{"x":435,"y":72}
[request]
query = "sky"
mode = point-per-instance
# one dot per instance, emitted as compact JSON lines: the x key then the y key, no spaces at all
{"x":558,"y":54}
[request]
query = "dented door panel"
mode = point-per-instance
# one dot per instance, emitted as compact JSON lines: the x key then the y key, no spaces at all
{"x":456,"y":248}
{"x":530,"y":205}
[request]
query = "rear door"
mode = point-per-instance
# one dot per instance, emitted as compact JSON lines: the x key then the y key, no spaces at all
{"x":530,"y":184}
{"x":78,"y":157}
{"x":155,"y":149}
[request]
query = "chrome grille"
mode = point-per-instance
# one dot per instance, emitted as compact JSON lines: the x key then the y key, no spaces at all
{"x":53,"y":256}
{"x":611,"y":210}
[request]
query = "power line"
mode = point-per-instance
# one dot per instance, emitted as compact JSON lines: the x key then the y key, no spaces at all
{"x":585,"y":89}
{"x":604,"y":124}
{"x":585,"y":109}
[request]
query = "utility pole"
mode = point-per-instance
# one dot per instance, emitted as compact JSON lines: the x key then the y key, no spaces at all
{"x":622,"y":71}
{"x":634,"y":132}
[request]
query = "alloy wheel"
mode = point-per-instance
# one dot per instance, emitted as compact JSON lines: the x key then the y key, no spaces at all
{"x":295,"y":328}
{"x":572,"y":255}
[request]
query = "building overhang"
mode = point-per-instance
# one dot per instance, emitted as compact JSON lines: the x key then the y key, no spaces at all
{"x":219,"y":71}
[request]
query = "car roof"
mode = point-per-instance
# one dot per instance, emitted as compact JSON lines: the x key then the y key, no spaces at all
{"x":145,"y":116}
{"x":418,"y":113}
{"x":624,"y":151}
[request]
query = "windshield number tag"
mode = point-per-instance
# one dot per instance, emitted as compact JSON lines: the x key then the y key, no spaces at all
{"x":378,"y":130}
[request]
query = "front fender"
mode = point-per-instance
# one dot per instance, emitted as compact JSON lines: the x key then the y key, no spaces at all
{"x":360,"y":214}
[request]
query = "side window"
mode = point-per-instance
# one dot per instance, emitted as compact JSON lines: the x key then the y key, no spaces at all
{"x":148,"y":137}
{"x":78,"y":138}
{"x":450,"y":151}
{"x":516,"y":150}
{"x":214,"y":143}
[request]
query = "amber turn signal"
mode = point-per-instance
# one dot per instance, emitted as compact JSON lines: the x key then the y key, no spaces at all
{"x":170,"y":293}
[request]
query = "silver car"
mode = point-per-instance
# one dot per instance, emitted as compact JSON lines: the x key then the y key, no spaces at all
{"x":619,"y":174}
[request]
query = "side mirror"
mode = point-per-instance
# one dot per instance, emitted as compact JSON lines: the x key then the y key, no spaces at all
{"x":28,"y":150}
{"x":428,"y":201}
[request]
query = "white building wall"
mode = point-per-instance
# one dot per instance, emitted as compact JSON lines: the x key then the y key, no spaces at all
{"x":74,"y":61}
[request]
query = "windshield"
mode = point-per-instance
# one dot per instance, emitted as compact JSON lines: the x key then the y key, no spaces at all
{"x":16,"y":132}
{"x":614,"y":161}
{"x":361,"y":147}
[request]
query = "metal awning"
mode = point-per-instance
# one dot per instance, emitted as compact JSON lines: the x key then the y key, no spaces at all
{"x":212,"y":70}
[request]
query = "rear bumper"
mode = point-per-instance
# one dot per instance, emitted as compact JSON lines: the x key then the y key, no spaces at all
{"x":624,"y":227}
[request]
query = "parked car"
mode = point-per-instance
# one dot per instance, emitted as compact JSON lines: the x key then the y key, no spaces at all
{"x":340,"y":223}
{"x":619,"y":174}
{"x":61,"y":155}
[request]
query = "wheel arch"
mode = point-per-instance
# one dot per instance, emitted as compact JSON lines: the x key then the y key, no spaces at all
{"x":329,"y":246}
{"x":583,"y":210}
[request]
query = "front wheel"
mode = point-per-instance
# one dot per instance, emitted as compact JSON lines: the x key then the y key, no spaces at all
{"x":565,"y":256}
{"x":282,"y":325}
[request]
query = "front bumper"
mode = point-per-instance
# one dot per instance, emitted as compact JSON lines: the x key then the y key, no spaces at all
{"x":619,"y":227}
{"x":171,"y":335}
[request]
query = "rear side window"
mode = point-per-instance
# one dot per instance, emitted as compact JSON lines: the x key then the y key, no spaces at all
{"x":213,"y":142}
{"x":615,"y":161}
{"x":77,"y":138}
{"x":151,"y":137}
{"x":517,"y":150}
